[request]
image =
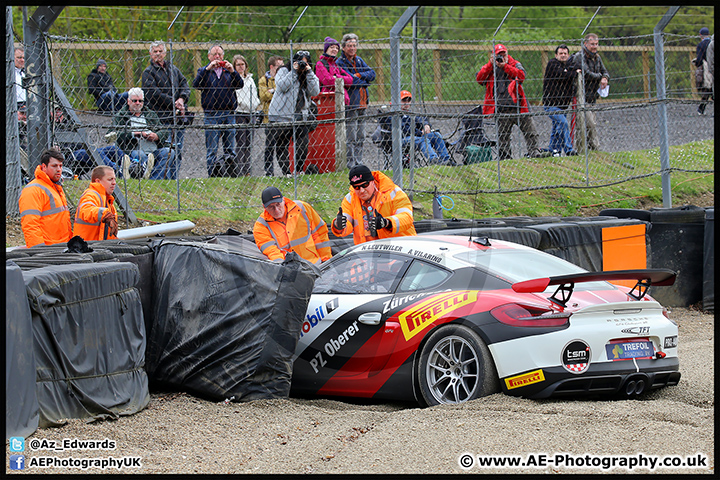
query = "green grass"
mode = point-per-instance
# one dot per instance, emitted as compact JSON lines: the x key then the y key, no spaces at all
{"x":237,"y":200}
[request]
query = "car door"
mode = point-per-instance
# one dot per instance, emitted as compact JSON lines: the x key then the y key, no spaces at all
{"x":344,"y":322}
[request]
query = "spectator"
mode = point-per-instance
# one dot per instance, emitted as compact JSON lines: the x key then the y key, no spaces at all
{"x":294,"y":87}
{"x":44,"y":213}
{"x":159,"y":80}
{"x":558,"y":92}
{"x":266,"y":85}
{"x":427,"y":141}
{"x":710,"y":55}
{"x":142,"y":136}
{"x":374,"y":208}
{"x":596,"y":77}
{"x":217,"y":82}
{"x":248,"y":103}
{"x":503,"y":77}
{"x":290,"y":226}
{"x":703,"y":79}
{"x":354,"y":114}
{"x":96,"y":217}
{"x":100,"y":86}
{"x":82,"y":162}
{"x":20,"y":92}
{"x":327,"y":70}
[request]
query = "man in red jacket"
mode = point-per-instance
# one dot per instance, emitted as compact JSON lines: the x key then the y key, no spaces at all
{"x":503,"y":77}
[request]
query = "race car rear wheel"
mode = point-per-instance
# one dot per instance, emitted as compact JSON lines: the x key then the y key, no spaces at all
{"x":455,"y":366}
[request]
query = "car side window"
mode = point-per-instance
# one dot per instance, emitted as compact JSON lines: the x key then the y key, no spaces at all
{"x":367,"y":272}
{"x":421,"y":276}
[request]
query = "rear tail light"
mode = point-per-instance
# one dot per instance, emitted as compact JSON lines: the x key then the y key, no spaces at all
{"x":517,"y":315}
{"x":666,"y":312}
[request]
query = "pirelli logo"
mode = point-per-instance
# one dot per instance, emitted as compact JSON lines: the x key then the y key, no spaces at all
{"x":525,"y":379}
{"x":426,"y":312}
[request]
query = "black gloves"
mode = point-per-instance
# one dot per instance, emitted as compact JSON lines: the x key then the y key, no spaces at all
{"x":381,"y":222}
{"x":340,"y":221}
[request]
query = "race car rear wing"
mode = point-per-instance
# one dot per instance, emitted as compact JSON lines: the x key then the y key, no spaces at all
{"x":645,"y":278}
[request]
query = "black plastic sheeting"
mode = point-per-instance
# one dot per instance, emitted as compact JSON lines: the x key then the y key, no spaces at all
{"x":708,"y":300}
{"x":89,"y":341}
{"x":22,"y":412}
{"x":227,"y":320}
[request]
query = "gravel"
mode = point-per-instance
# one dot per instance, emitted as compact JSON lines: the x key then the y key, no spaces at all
{"x":181,"y":434}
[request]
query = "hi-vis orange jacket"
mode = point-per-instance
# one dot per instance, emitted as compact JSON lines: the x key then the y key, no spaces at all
{"x":93,"y":203}
{"x":44,"y":214}
{"x":389,"y":200}
{"x":303,"y":232}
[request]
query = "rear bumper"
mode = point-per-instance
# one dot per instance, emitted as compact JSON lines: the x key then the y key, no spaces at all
{"x":607,"y":378}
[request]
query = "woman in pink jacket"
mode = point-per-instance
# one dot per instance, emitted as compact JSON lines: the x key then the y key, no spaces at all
{"x":327,"y":71}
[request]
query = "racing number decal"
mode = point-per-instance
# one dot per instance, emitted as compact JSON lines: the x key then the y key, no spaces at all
{"x":425,"y":313}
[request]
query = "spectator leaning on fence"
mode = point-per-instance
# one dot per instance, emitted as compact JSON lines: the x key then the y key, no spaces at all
{"x":502,"y":76}
{"x":217,"y":82}
{"x":290,"y":226}
{"x":596,"y":77}
{"x":294,"y":86}
{"x":327,"y":69}
{"x":558,"y":92}
{"x":362,"y":75}
{"x":96,"y":217}
{"x":710,"y":55}
{"x":374,"y":208}
{"x":248,"y":104}
{"x":141,"y":135}
{"x":20,"y":94}
{"x":159,"y":80}
{"x":266,"y":86}
{"x":100,"y":86}
{"x":44,"y":213}
{"x":703,"y":75}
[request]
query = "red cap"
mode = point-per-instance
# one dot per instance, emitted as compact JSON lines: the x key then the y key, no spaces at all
{"x":499,"y":48}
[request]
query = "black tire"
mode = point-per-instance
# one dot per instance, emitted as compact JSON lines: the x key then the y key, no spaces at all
{"x":468,"y":374}
{"x":626,"y":213}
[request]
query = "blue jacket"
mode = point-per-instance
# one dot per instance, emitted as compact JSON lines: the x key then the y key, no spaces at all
{"x":217,"y":93}
{"x":405,"y":120}
{"x":367,"y":75}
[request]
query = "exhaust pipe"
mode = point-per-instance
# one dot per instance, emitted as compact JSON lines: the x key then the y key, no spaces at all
{"x":635,"y":385}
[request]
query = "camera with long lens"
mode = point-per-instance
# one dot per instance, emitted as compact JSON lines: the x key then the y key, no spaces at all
{"x":302,"y":65}
{"x":499,"y":58}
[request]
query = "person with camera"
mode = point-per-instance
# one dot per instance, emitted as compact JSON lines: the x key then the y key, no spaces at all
{"x":141,"y":135}
{"x":502,"y":76}
{"x":294,"y":86}
{"x":246,"y":111}
{"x":374,"y":208}
{"x":166,"y":89}
{"x":217,"y":82}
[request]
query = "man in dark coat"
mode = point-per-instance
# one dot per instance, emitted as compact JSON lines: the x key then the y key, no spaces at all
{"x":596,"y":78}
{"x":100,"y":86}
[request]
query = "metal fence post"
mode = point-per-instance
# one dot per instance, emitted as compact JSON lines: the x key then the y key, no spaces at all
{"x":13,"y":183}
{"x":662,"y":108}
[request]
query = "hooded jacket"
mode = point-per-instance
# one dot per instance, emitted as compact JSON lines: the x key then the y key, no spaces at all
{"x":287,"y":85}
{"x":510,"y":78}
{"x":389,"y":200}
{"x":303,"y":232}
{"x":327,"y":75}
{"x":99,"y":83}
{"x":91,"y":207}
{"x":44,"y":213}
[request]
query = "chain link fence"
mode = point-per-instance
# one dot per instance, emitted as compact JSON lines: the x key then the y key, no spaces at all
{"x":442,"y":78}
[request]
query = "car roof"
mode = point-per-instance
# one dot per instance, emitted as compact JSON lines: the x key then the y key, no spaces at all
{"x":438,"y":248}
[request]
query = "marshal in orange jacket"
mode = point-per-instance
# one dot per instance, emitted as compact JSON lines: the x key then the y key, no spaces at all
{"x":389,"y":200}
{"x":44,"y":214}
{"x":88,"y":217}
{"x":302,"y":232}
